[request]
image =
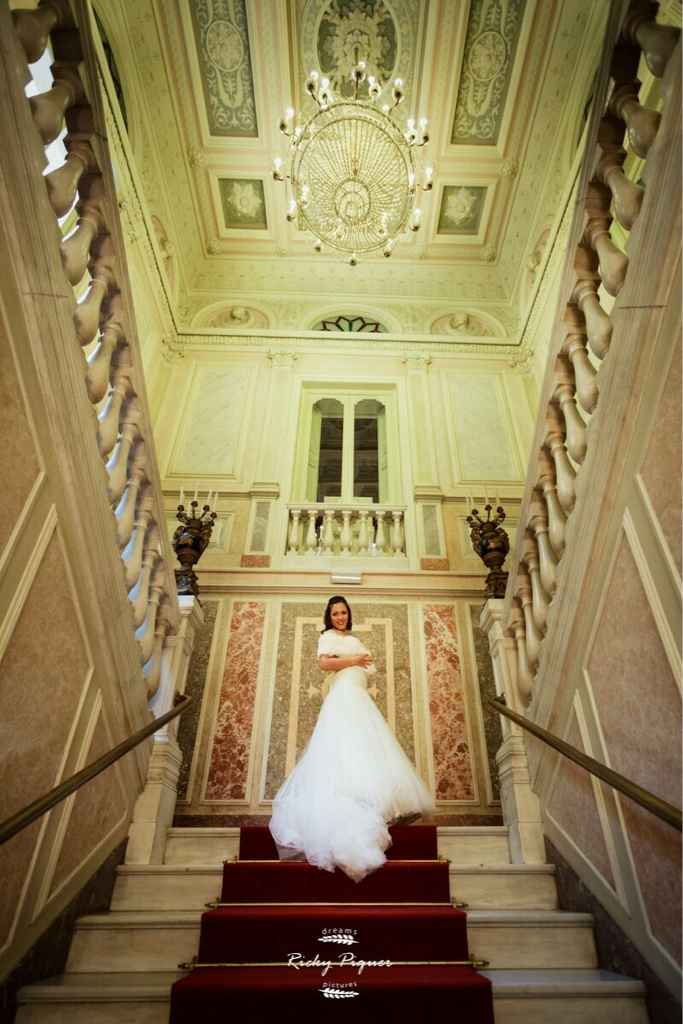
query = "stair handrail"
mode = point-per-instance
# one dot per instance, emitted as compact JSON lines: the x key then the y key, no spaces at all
{"x":42,"y":804}
{"x":654,"y":804}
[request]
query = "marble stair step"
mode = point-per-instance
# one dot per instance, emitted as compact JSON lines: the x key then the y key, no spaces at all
{"x":475,"y":845}
{"x":190,"y":887}
{"x":159,"y":941}
{"x":519,"y":997}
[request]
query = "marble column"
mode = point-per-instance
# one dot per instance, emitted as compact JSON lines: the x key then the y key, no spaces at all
{"x":155,"y":807}
{"x":521,"y":808}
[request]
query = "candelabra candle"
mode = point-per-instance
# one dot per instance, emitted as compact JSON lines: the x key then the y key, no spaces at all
{"x":492,"y":544}
{"x":190,"y":541}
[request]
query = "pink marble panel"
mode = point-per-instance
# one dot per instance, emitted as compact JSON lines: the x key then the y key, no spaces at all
{"x":661,"y":469}
{"x":255,"y":561}
{"x":99,"y":806}
{"x":434,"y":564}
{"x":20,"y":465}
{"x":452,"y":757}
{"x":639,"y":706}
{"x":229,"y":760}
{"x":37,"y":711}
{"x":573,"y":806}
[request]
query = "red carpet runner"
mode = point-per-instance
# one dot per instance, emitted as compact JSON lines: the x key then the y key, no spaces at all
{"x":293,"y":940}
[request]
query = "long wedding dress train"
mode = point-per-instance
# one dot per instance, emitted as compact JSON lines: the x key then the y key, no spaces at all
{"x":352,"y":779}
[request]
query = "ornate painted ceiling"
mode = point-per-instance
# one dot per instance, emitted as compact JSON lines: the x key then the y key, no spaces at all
{"x":504,"y":84}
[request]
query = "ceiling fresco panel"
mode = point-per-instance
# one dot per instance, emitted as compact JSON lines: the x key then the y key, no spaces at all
{"x":243,"y":203}
{"x":492,"y":36}
{"x":222,"y":39}
{"x":336,"y":35}
{"x":461,"y":209}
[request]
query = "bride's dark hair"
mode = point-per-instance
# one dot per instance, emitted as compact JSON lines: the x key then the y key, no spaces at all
{"x":327,"y":618}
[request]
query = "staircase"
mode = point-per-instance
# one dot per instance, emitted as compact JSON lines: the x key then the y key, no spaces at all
{"x":543,"y":961}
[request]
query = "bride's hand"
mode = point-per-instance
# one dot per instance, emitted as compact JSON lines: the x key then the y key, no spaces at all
{"x":363,"y":660}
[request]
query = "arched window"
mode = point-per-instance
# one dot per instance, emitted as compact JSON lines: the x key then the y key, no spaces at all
{"x":351,"y":324}
{"x":369,"y":450}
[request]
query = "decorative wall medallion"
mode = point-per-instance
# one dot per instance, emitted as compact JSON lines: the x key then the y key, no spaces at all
{"x":222,"y":38}
{"x":235,"y":317}
{"x":353,"y":30}
{"x":492,"y":36}
{"x":461,"y":209}
{"x":462,"y":323}
{"x":243,"y":203}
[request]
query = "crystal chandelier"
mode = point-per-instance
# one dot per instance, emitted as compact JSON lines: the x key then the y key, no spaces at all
{"x":353,"y":170}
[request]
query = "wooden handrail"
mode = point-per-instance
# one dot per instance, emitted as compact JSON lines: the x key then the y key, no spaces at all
{"x":654,"y":804}
{"x":45,"y":803}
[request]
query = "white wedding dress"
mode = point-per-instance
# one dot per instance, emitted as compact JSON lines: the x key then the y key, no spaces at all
{"x":352,"y":778}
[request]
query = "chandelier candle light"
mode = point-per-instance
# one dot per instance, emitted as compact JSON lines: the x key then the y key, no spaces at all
{"x":353,"y":171}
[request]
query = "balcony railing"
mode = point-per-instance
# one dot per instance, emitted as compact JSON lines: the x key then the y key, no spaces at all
{"x":346,"y":530}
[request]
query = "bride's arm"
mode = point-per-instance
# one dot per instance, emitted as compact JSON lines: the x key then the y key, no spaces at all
{"x":331,"y":663}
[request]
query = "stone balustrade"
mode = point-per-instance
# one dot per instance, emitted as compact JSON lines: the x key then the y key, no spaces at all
{"x":583,"y":351}
{"x":94,"y":265}
{"x":346,"y":530}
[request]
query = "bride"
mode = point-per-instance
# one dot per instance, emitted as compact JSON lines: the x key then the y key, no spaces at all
{"x":353,"y":778}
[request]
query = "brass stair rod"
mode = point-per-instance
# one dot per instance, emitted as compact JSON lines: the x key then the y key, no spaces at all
{"x":45,"y":803}
{"x":661,"y":808}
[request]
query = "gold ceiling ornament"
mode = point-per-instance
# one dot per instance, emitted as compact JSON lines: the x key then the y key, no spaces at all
{"x":353,"y":171}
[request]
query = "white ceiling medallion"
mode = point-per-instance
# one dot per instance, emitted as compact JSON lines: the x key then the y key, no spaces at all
{"x":353,"y":170}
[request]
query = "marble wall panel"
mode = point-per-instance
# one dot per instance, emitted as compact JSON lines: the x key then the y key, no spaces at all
{"x":97,"y":809}
{"x":36,"y":710}
{"x":487,"y":689}
{"x":229,"y":758}
{"x":213,"y":422}
{"x":573,"y":806}
{"x":483,"y":428}
{"x":19,"y":457}
{"x":639,"y":707}
{"x":452,"y":755}
{"x":194,"y":687}
{"x":661,"y":469}
{"x":299,"y":683}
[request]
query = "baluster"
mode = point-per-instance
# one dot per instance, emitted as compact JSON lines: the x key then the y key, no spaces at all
{"x":152,"y":668}
{"x":139,"y":593}
{"x":538,"y":523}
{"x":295,"y":515}
{"x":525,"y":680}
{"x":641,"y":123}
{"x":87,"y":315}
{"x":626,"y":195}
{"x":584,"y":372}
{"x":99,"y":362}
{"x":397,"y":532}
{"x":145,"y":633}
{"x":598,"y":323}
{"x":328,"y":531}
{"x":363,"y":532}
{"x":575,"y":428}
{"x":108,"y":419}
{"x":564,"y":471}
{"x":531,"y":632}
{"x":62,"y":183}
{"x":345,"y":537}
{"x":131,"y":555}
{"x":612,"y":263}
{"x":657,"y":42}
{"x":33,"y":27}
{"x":76,"y":247}
{"x":539,"y":598}
{"x":117,"y":467}
{"x":49,"y":108}
{"x":557,"y":521}
{"x":380,"y":535}
{"x":311,"y":536}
